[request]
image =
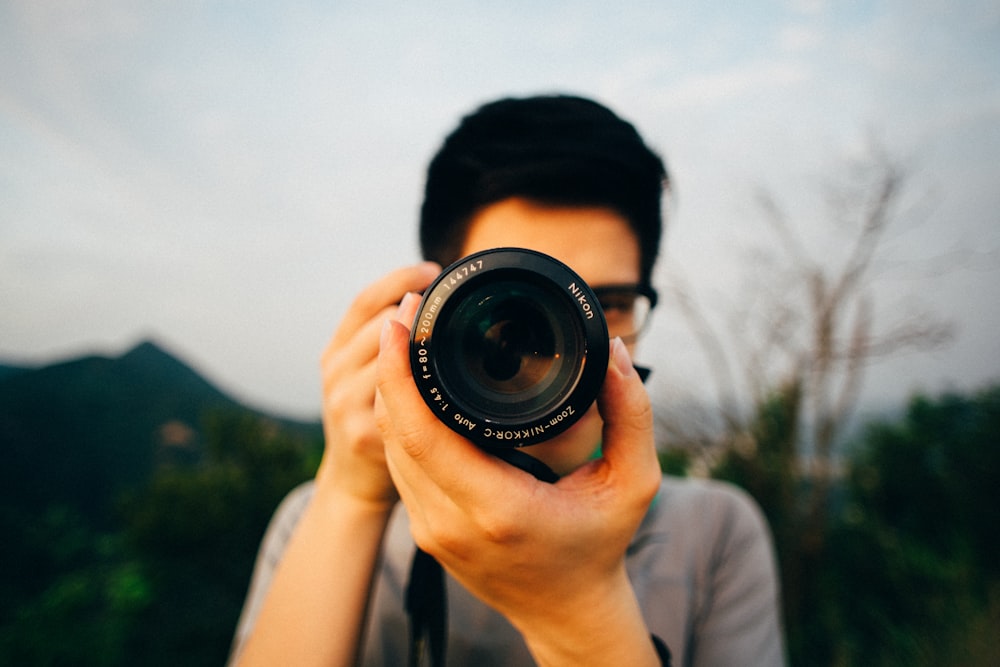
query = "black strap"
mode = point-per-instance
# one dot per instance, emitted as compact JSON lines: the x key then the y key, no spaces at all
{"x":662,"y":651}
{"x":526,"y":462}
{"x":643,"y":372}
{"x":427,"y":607}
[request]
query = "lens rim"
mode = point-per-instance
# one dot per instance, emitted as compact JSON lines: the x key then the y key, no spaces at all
{"x":461,"y":413}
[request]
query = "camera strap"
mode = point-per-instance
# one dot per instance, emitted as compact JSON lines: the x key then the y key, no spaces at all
{"x":426,"y":604}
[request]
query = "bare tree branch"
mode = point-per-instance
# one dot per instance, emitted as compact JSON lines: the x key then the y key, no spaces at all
{"x":711,"y":346}
{"x":811,"y":322}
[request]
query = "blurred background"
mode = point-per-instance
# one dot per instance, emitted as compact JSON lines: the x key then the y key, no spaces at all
{"x":192,"y":193}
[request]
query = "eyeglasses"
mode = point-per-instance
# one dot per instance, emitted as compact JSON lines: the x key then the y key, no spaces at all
{"x":626,"y":308}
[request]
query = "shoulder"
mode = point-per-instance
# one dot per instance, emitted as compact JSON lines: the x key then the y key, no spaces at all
{"x":704,"y":566}
{"x":711,"y":505}
{"x":705,"y":528}
{"x":272,"y":547}
{"x":295,"y":502}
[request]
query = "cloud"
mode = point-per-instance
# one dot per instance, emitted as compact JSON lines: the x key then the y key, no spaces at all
{"x":796,"y":38}
{"x":808,"y":7}
{"x":221,"y":159}
{"x":716,"y":88}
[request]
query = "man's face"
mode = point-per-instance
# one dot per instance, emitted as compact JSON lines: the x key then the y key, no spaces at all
{"x":598,"y":244}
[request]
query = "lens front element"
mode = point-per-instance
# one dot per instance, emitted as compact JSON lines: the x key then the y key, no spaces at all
{"x":516,"y":348}
{"x":509,"y":346}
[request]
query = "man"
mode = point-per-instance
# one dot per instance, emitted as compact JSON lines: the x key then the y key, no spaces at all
{"x":603,"y":567}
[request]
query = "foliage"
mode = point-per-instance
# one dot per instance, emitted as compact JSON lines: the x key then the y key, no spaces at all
{"x":674,"y":461}
{"x":907,"y":570}
{"x":199,"y":530}
{"x":166,"y":586}
{"x":920,"y":537}
{"x":766,"y":467}
{"x":84,"y":614}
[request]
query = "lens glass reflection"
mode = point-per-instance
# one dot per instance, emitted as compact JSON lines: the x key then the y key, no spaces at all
{"x":514,"y":346}
{"x":511,"y":348}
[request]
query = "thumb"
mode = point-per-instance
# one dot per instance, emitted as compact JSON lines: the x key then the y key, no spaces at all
{"x":398,"y":408}
{"x":628,"y":418}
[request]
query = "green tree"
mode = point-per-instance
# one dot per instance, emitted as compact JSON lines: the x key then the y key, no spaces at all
{"x":914,"y":561}
{"x":197,"y":531}
{"x":764,"y":463}
{"x":79,"y":596}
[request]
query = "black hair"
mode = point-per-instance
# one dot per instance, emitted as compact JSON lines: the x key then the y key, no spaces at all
{"x":558,"y":150}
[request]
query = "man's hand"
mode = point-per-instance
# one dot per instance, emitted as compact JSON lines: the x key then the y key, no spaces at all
{"x":354,"y":460}
{"x":550,"y":557}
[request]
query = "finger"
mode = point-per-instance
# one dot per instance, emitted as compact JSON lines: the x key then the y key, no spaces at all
{"x":382,"y":294}
{"x":625,"y":408}
{"x":342,"y":359}
{"x":363,"y":347}
{"x":425,"y":503}
{"x":407,"y":309}
{"x":360,"y":356}
{"x":406,"y":413}
{"x":428,"y":505}
{"x":352,"y":396}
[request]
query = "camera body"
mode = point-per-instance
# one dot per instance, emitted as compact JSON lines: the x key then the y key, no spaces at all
{"x":509,"y":347}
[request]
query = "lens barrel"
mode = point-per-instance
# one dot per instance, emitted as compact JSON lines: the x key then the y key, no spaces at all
{"x":509,"y":347}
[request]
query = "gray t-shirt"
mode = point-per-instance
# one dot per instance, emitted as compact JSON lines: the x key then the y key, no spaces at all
{"x":701,"y":563}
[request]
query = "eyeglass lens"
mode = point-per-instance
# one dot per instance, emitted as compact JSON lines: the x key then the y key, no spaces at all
{"x":625,"y":309}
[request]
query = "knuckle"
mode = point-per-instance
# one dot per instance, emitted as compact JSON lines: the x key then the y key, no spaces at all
{"x":438,"y":540}
{"x":416,"y":447}
{"x":448,"y":542}
{"x":650,"y":484}
{"x":499,"y":528}
{"x":367,"y":301}
{"x":642,"y":413}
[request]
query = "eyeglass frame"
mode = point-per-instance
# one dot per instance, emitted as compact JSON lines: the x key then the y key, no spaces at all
{"x":638,"y":289}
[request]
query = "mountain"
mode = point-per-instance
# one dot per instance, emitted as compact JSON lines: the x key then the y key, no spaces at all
{"x":81,"y":431}
{"x":10,"y":371}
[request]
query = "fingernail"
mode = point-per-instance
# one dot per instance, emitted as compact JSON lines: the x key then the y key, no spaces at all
{"x":407,"y":300}
{"x":621,"y":358}
{"x":386,"y":330}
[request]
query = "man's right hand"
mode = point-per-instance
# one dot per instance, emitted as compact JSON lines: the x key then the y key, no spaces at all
{"x":354,"y":457}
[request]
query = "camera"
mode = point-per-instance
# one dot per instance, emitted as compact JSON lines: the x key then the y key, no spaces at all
{"x":509,"y":347}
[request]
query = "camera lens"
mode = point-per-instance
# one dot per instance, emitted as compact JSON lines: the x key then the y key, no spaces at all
{"x":509,"y":347}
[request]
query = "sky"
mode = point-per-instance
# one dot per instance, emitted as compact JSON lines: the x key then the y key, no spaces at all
{"x":223,"y":177}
